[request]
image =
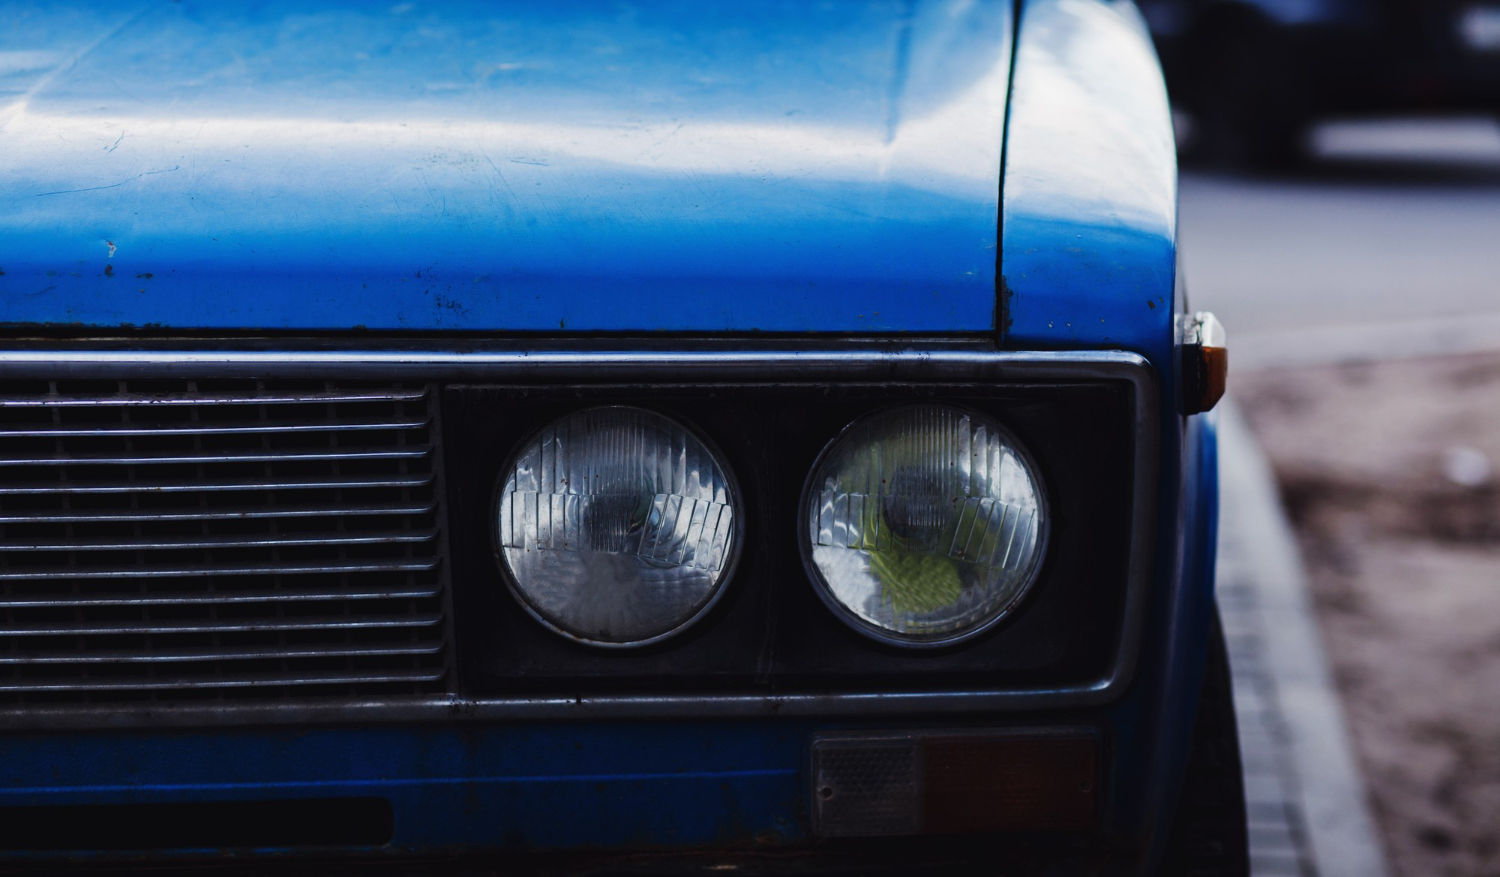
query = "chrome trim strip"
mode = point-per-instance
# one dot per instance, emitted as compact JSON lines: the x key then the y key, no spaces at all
{"x":257,"y":625}
{"x":274,"y":540}
{"x":39,"y":487}
{"x":521,"y":365}
{"x":45,"y":401}
{"x":761,"y":366}
{"x":592,"y":708}
{"x":410,"y":452}
{"x":220,"y":598}
{"x":254,"y":428}
{"x":243,"y":569}
{"x":110,"y":515}
{"x":261,"y":653}
{"x":158,"y":683}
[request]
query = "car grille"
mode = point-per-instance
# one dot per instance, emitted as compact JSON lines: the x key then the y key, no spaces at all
{"x":182,"y":540}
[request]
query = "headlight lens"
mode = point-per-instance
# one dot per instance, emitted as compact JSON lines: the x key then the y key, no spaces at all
{"x":617,"y":526}
{"x":925,"y":524}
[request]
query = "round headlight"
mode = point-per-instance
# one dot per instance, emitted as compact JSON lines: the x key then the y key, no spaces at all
{"x":617,"y":526}
{"x":924,"y":524}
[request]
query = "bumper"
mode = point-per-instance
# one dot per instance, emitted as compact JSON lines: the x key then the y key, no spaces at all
{"x":730,"y":792}
{"x":539,"y":787}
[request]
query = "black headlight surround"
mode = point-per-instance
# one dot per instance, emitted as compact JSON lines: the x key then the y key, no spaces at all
{"x":770,"y":631}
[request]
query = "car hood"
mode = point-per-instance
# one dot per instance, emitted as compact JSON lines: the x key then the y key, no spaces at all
{"x":557,"y":167}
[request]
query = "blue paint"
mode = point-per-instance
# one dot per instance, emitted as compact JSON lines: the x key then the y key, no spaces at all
{"x":1205,"y":514}
{"x":542,"y":786}
{"x":1186,"y":611}
{"x":1152,"y":727}
{"x":1089,"y":231}
{"x":540,"y":167}
{"x":1089,"y":254}
{"x":601,"y":167}
{"x":387,"y":784}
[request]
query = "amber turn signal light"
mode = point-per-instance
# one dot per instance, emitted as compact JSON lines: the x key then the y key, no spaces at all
{"x":1205,"y":363}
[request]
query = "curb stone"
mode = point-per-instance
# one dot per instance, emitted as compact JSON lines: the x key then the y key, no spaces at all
{"x":1309,"y":814}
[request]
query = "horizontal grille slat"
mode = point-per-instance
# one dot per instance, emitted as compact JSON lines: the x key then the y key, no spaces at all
{"x":408,"y":453}
{"x":252,"y":626}
{"x":163,"y":540}
{"x":238,"y":485}
{"x":231,"y":514}
{"x":147,"y":400}
{"x":254,"y":428}
{"x":259,"y":541}
{"x":181,"y":656}
{"x":243,"y":569}
{"x":169,"y":683}
{"x":229,"y":598}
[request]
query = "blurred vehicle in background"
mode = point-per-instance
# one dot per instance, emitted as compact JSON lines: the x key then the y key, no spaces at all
{"x":1254,"y":73}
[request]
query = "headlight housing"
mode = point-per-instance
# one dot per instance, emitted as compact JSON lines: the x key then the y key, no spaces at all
{"x":617,"y":526}
{"x":924,"y":525}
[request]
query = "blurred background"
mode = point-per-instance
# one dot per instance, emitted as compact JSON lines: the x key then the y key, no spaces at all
{"x":1340,"y":210}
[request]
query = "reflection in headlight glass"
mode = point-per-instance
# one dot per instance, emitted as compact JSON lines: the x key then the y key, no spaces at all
{"x":617,"y":525}
{"x":925,"y":522}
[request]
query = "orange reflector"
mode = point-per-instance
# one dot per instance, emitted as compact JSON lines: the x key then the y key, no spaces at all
{"x":1205,"y":363}
{"x":1214,"y":362}
{"x":1017,"y":784}
{"x":955,"y":782}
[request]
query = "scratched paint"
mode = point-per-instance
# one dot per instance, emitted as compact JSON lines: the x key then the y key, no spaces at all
{"x":587,"y":165}
{"x":1090,"y":216}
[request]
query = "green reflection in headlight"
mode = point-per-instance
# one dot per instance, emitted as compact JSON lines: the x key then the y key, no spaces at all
{"x":913,"y":582}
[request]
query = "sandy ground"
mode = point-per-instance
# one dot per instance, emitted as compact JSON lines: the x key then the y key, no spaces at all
{"x":1391,"y":474}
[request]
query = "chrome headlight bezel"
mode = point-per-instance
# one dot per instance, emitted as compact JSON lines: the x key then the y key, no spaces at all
{"x":723,"y":584}
{"x":890,"y":637}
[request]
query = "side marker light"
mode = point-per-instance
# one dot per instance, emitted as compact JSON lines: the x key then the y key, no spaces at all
{"x":1205,"y":363}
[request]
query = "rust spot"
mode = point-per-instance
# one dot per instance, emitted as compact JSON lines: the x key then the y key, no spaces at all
{"x":109,"y":270}
{"x":1150,"y":304}
{"x":146,"y":276}
{"x":1007,"y":295}
{"x":448,"y":303}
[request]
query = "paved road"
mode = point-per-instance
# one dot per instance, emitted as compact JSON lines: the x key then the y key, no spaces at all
{"x":1389,"y":244}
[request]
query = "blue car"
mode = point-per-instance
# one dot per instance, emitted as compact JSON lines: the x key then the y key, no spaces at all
{"x":600,"y":437}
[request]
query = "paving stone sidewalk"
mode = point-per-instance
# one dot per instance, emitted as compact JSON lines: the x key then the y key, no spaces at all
{"x":1308,"y":811}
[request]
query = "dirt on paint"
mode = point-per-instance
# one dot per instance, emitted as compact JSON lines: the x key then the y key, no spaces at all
{"x":1391,"y":474}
